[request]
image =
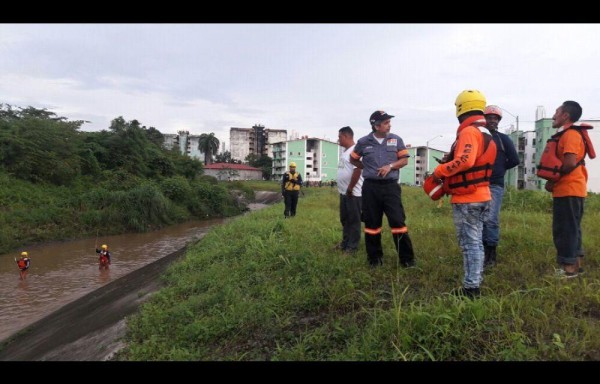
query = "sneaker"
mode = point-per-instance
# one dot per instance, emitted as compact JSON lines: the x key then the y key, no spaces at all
{"x":338,"y":247}
{"x":408,"y":264}
{"x":349,"y":251}
{"x":562,"y":274}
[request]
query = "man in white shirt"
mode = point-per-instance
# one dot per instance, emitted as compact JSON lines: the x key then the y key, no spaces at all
{"x":349,"y":181}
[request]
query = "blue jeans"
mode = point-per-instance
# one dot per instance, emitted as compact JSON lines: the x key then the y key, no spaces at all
{"x":491,"y":226}
{"x":468,"y":220}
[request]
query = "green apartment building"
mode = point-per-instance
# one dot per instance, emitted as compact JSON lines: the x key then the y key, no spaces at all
{"x":420,"y":162}
{"x":316,"y":159}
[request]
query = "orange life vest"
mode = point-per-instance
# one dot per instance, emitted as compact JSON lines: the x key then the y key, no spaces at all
{"x":22,"y":264}
{"x":466,"y":182}
{"x":550,"y":164}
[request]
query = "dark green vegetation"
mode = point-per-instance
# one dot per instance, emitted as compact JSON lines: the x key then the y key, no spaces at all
{"x":264,"y":288}
{"x":57,"y":182}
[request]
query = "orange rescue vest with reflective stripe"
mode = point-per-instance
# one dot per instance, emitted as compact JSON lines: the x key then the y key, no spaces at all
{"x":479,"y":174}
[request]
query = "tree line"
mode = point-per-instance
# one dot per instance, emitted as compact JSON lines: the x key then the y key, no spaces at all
{"x":59,"y":182}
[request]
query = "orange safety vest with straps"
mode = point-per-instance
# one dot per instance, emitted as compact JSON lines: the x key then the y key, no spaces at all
{"x":22,"y":264}
{"x":550,"y":164}
{"x":292,"y":186}
{"x":479,"y":174}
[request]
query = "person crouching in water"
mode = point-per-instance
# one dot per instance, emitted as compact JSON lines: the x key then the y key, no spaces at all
{"x":104,"y":258}
{"x":23,"y":264}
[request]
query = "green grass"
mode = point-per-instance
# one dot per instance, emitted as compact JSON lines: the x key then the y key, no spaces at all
{"x":37,"y":212}
{"x":264,"y":288}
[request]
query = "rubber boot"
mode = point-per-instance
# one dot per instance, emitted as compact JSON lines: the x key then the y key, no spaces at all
{"x":489,"y":260}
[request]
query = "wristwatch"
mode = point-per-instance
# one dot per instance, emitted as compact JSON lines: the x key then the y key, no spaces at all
{"x":391,"y":166}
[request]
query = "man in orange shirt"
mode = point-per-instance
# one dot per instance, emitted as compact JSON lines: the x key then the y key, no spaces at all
{"x":466,"y":171}
{"x":569,"y":191}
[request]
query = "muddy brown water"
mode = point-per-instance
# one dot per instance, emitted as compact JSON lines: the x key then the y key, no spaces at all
{"x":63,"y":271}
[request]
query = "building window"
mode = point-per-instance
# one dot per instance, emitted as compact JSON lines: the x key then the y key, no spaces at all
{"x":299,"y":154}
{"x":291,"y":153}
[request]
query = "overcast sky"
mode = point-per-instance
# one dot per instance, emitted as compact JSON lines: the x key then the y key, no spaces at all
{"x":308,"y":78}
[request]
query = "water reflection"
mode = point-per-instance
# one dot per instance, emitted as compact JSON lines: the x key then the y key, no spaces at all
{"x":60,"y":272}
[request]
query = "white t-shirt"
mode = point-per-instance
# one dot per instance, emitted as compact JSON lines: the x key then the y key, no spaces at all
{"x":344,"y":175}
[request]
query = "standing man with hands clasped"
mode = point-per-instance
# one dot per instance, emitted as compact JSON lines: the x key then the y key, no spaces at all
{"x":290,"y":188}
{"x":383,"y":154}
{"x":349,"y":181}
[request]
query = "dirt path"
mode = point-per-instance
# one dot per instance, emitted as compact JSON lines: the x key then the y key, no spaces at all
{"x":89,"y":328}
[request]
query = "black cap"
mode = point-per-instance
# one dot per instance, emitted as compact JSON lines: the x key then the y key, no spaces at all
{"x":379,"y":116}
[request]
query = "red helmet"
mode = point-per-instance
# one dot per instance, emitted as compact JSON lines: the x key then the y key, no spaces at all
{"x":433,"y":189}
{"x":493,"y":110}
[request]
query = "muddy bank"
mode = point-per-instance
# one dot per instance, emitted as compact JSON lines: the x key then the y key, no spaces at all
{"x":90,"y":327}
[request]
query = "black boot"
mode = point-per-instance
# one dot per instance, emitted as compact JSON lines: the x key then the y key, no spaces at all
{"x":489,"y":259}
{"x":405,"y":251}
{"x":470,"y":293}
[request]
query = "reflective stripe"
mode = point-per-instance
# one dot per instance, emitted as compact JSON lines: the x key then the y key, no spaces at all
{"x":355,"y":155}
{"x":403,"y":153}
{"x":370,"y":231}
{"x":435,"y":189}
{"x":396,"y":231}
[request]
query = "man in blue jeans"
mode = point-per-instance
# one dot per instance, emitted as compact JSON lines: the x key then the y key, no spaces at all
{"x":506,"y":158}
{"x":466,"y":171}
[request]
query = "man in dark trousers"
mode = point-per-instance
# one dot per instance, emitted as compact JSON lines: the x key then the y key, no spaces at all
{"x":380,"y":155}
{"x":349,"y":182}
{"x":506,"y":158}
{"x":569,"y":191}
{"x":290,"y":187}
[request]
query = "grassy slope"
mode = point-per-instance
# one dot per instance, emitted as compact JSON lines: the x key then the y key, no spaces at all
{"x":264,"y":288}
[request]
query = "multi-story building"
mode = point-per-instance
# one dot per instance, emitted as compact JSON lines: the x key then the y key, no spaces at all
{"x":188,"y":144}
{"x":523,"y":175}
{"x":255,"y":140}
{"x":420,"y":162}
{"x":316,"y":159}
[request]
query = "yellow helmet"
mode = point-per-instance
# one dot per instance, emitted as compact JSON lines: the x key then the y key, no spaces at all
{"x":24,"y":254}
{"x":104,"y":246}
{"x":293,"y":164}
{"x":469,"y":100}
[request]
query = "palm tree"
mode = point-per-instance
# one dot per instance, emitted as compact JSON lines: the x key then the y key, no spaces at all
{"x":208,"y":144}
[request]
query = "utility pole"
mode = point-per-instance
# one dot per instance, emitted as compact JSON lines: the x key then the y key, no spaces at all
{"x":427,"y":145}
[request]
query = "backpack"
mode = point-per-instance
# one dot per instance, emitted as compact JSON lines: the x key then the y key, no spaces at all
{"x":550,"y":165}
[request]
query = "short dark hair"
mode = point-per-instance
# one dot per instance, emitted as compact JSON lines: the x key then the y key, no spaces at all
{"x":347,"y":131}
{"x":573,"y":109}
